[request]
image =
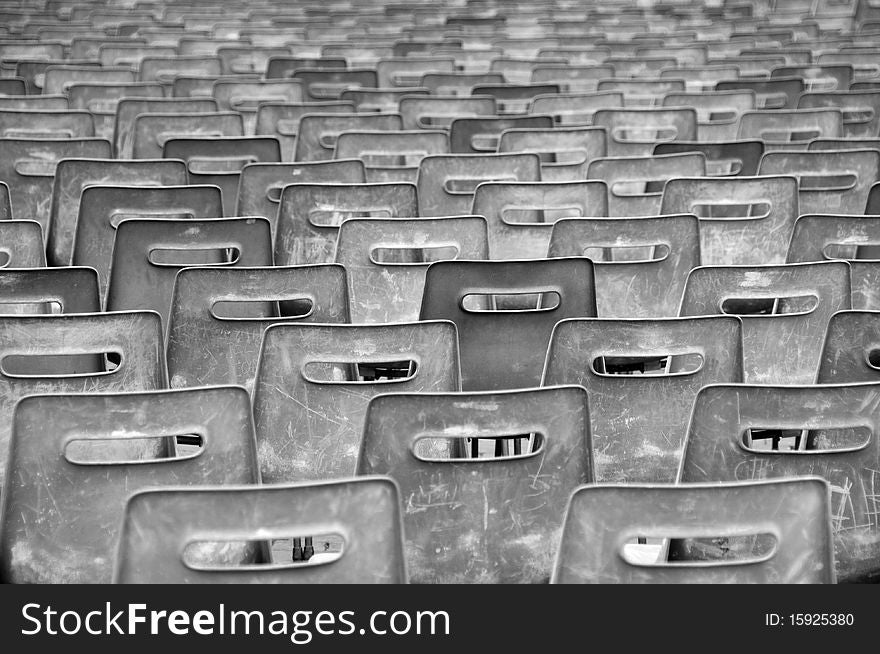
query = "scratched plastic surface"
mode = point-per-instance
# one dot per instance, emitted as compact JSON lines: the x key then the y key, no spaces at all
{"x":205,"y":348}
{"x":218,"y":160}
{"x":73,"y":175}
{"x":506,"y":349}
{"x":479,"y":134}
{"x":783,"y":130}
{"x":843,"y":197}
{"x":861,"y":109}
{"x":639,"y":421}
{"x":392,"y":292}
{"x":633,"y":132}
{"x":529,"y":238}
{"x":22,"y":242}
{"x":783,"y":347}
{"x":813,"y":234}
{"x":317,"y":134}
{"x":435,"y":112}
{"x":246,"y":96}
{"x":723,"y":159}
{"x":848,"y":352}
{"x":727,"y":106}
{"x":62,"y":520}
{"x":5,"y":203}
{"x":365,"y":512}
{"x":601,"y":519}
{"x":322,"y":84}
{"x":481,"y":520}
{"x":128,"y":109}
{"x":402,"y":151}
{"x":310,"y":429}
{"x":715,"y":452}
{"x":28,"y":167}
{"x":136,"y":282}
{"x":651,"y":288}
{"x":282,"y":121}
{"x":150,"y":131}
{"x":101,"y":206}
{"x":437,"y":172}
{"x":569,"y":149}
{"x":136,"y":336}
{"x":641,"y":170}
{"x":300,"y":240}
{"x":28,"y":290}
{"x":759,"y":239}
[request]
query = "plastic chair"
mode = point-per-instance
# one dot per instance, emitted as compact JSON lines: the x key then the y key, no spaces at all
{"x":73,"y":175}
{"x":391,"y":156}
{"x":82,"y":340}
{"x":310,"y":214}
{"x":282,"y":67}
{"x":635,"y":183}
{"x":103,"y":207}
{"x":26,"y":291}
{"x":30,"y":124}
{"x":634,"y":132}
{"x":68,"y":516}
{"x":21,"y":244}
{"x":790,"y":130}
{"x":520,"y":215}
{"x":639,"y":421}
{"x":218,"y":316}
{"x":437,"y":112}
{"x":458,"y":84}
{"x":770,"y":93}
{"x":389,"y":288}
{"x":513,"y":99}
{"x":723,"y":159}
{"x":317,"y":134}
{"x":164,"y":69}
{"x":784,"y":309}
{"x":446,"y":183}
{"x":861,"y":109}
{"x":282,"y":120}
{"x":480,"y":134}
{"x":571,"y":78}
{"x":501,"y":519}
{"x":601,"y":519}
{"x":849,"y":353}
{"x":128,"y":109}
{"x":718,"y":113}
{"x":5,"y":202}
{"x":641,"y":92}
{"x":505,"y":325}
{"x":829,"y":181}
{"x":743,"y":220}
{"x":380,"y":100}
{"x":566,"y":151}
{"x":841,"y":421}
{"x":647,"y":283}
{"x":322,"y":84}
{"x":364,"y":512}
{"x":408,"y":71}
{"x":151,"y":132}
{"x":28,"y":167}
{"x":101,"y":100}
{"x":314,"y":383}
{"x":245,"y":97}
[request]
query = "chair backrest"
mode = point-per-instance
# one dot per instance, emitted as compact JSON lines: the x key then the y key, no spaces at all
{"x":281,"y":120}
{"x":28,"y":168}
{"x":466,"y":536}
{"x":246,"y":96}
{"x":73,"y":175}
{"x":830,"y":181}
{"x":391,"y":156}
{"x":635,"y":184}
{"x":702,"y":78}
{"x":365,"y":512}
{"x":644,"y":280}
{"x":103,"y":207}
{"x":386,"y":260}
{"x":152,"y":131}
{"x":852,"y":238}
{"x":571,"y":78}
{"x":634,"y":132}
{"x":408,"y":71}
{"x":446,"y":183}
{"x":503,"y":340}
{"x":317,"y":134}
{"x":68,"y":515}
{"x":602,"y":520}
{"x":46,"y":124}
{"x":790,"y":130}
{"x":520,"y":215}
{"x":101,"y":100}
{"x":743,"y":220}
{"x":639,"y":421}
{"x":310,"y":214}
{"x":819,"y":78}
{"x":785,"y":310}
{"x":771,"y":93}
{"x":281,"y":67}
{"x":718,"y":113}
{"x":128,"y":109}
{"x":35,"y":290}
{"x":219,"y":160}
{"x":841,"y":422}
{"x":458,"y":84}
{"x":208,"y":345}
{"x":861,"y":109}
{"x":566,"y":152}
{"x":513,"y":99}
{"x":21,"y":244}
{"x":38,"y":341}
{"x":640,"y":92}
{"x":724,"y":158}
{"x":310,"y":401}
{"x":34,"y":102}
{"x":436,"y":112}
{"x":321,"y":84}
{"x":147,"y":254}
{"x":381,"y":100}
{"x":5,"y":202}
{"x":849,"y":353}
{"x":164,"y":69}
